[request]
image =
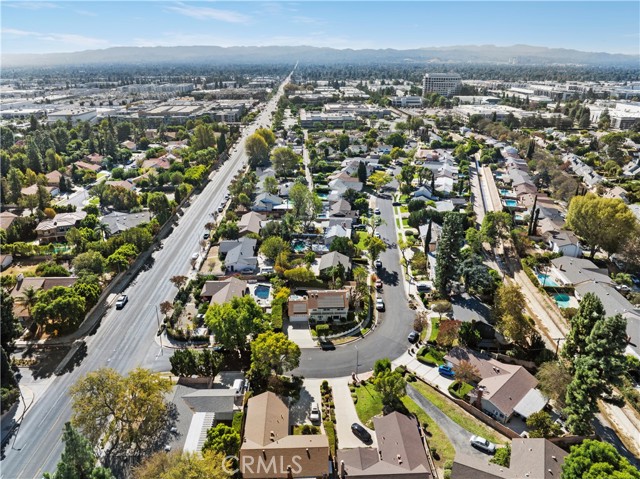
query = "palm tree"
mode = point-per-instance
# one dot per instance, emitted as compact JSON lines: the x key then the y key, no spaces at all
{"x":29,"y":298}
{"x":104,"y":230}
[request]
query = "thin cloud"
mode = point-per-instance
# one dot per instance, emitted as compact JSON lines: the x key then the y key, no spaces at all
{"x":65,"y":38}
{"x":307,"y":20}
{"x":207,"y":13}
{"x":31,"y":5}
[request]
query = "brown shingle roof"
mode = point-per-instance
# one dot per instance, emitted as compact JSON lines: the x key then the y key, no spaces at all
{"x":222,"y":291}
{"x":6,"y":218}
{"x":82,"y":165}
{"x":327,"y":299}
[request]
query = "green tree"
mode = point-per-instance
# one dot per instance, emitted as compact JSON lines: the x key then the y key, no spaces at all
{"x":90,"y":261}
{"x":502,"y":457}
{"x":78,"y":460}
{"x":174,"y":465}
{"x":508,"y":308}
{"x":271,"y":185}
{"x":34,"y":157}
{"x":257,"y":150}
{"x":448,"y":251}
{"x":127,"y":416}
{"x":15,"y":179}
{"x":273,"y":352}
{"x":203,"y":137}
{"x":9,"y":325}
{"x":468,"y":334}
{"x":158,"y":204}
{"x":28,"y":299}
{"x":601,"y":222}
{"x":300,"y":274}
{"x":268,"y":136}
{"x":596,"y":459}
{"x":362,"y":172}
{"x":343,"y":142}
{"x":306,"y":204}
{"x":582,"y":396}
{"x":191,"y":362}
{"x":375,"y":246}
{"x":391,"y":386}
{"x":553,"y":378}
{"x":496,"y":226}
{"x":222,"y":439}
{"x":343,"y":245}
{"x":589,"y":313}
{"x":234,"y":321}
{"x":222,"y":143}
{"x":59,"y":309}
{"x":381,"y":366}
{"x":273,"y":247}
{"x":379,"y":179}
{"x":285,"y":161}
{"x":540,"y":424}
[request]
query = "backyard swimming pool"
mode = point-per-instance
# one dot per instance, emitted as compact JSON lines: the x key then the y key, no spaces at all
{"x":299,"y":246}
{"x":545,"y":280}
{"x":562,"y":300}
{"x":506,"y":193}
{"x":511,"y":203}
{"x":262,"y":291}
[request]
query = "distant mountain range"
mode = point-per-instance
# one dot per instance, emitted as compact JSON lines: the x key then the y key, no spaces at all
{"x":518,"y":54}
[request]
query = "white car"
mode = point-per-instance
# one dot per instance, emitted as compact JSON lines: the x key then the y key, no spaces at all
{"x":378,"y":263}
{"x":377,"y":211}
{"x":380,"y":304}
{"x":314,"y":415}
{"x":482,"y":444}
{"x":195,"y":256}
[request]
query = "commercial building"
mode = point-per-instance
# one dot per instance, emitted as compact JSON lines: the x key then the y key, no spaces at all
{"x":445,"y":84}
{"x":406,"y":101}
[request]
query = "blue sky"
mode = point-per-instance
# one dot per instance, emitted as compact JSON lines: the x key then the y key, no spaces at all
{"x":51,"y":26}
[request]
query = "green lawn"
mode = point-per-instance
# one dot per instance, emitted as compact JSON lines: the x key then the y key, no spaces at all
{"x":362,"y":238}
{"x":398,"y":223}
{"x":369,"y":404}
{"x":438,"y":440}
{"x":431,"y":355}
{"x":435,"y":328}
{"x":460,"y":390}
{"x":458,"y":415}
{"x":405,"y":222}
{"x":94,"y":201}
{"x":404,"y":209}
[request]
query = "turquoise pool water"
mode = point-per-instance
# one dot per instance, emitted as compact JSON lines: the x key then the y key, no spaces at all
{"x":262,"y":291}
{"x":511,"y":203}
{"x":323,"y":196}
{"x":298,"y":246}
{"x":505,"y":193}
{"x":545,"y":280}
{"x":562,"y":300}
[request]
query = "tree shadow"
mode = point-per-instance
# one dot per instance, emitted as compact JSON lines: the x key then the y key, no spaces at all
{"x":46,"y":360}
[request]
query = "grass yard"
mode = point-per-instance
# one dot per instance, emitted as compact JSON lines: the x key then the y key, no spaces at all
{"x":460,"y":390}
{"x":435,"y":328}
{"x":398,"y":223}
{"x":362,"y":239}
{"x":405,"y":222}
{"x":458,"y":415}
{"x":438,"y":440}
{"x":404,"y":209}
{"x":431,"y":355}
{"x":94,"y":201}
{"x":369,"y":404}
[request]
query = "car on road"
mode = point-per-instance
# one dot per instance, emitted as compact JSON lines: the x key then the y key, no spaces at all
{"x":195,"y":256}
{"x":378,"y":263}
{"x":446,"y":371}
{"x":327,"y":346}
{"x":378,"y":284}
{"x":122,"y":300}
{"x":220,"y":209}
{"x":205,"y":236}
{"x":380,"y":304}
{"x":377,"y":211}
{"x":314,"y":415}
{"x":377,"y":234}
{"x":413,"y":337}
{"x":482,"y":444}
{"x":396,"y":203}
{"x":361,"y":433}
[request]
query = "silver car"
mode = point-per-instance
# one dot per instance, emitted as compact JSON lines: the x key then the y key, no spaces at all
{"x":482,"y":444}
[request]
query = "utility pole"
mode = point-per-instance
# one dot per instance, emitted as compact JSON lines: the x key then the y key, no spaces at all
{"x":158,"y":320}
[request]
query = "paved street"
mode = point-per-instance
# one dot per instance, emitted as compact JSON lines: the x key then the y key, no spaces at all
{"x":125,"y":339}
{"x":389,"y":339}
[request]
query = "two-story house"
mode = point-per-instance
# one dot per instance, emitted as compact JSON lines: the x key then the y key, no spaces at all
{"x":320,"y":306}
{"x":54,"y":230}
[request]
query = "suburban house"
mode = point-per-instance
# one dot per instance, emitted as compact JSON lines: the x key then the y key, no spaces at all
{"x":94,"y":158}
{"x":268,"y":449}
{"x":126,"y":184}
{"x":343,"y":182}
{"x":423,"y":193}
{"x":560,"y":240}
{"x":119,"y":222}
{"x":436,"y":231}
{"x":37,"y":283}
{"x":54,"y":230}
{"x":33,"y":190}
{"x":161,"y":163}
{"x":53,"y":178}
{"x":503,"y":389}
{"x":266,"y":202}
{"x":336,"y":231}
{"x":530,"y":458}
{"x":250,"y":223}
{"x":240,"y":255}
{"x":5,"y":261}
{"x":342,"y":209}
{"x":320,"y":306}
{"x":333,"y":259}
{"x":6,"y":219}
{"x":219,"y":292}
{"x":401,"y":452}
{"x":83,"y":165}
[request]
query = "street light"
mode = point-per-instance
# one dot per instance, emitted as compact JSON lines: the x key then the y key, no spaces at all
{"x":557,"y":340}
{"x":158,"y":320}
{"x":357,"y":355}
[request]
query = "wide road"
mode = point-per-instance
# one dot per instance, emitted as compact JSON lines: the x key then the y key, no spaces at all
{"x":125,"y":339}
{"x":389,"y":339}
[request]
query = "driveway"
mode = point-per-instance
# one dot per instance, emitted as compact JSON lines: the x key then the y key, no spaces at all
{"x":299,"y":333}
{"x":458,"y":436}
{"x":469,"y":308}
{"x":310,"y":393}
{"x":346,"y":415}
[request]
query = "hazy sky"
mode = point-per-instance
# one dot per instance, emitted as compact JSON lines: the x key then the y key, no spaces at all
{"x":52,"y":26}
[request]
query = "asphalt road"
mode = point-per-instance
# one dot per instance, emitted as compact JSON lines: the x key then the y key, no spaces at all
{"x":125,"y":338}
{"x":389,"y":339}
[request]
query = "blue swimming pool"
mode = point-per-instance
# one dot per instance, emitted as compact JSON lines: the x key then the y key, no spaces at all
{"x":322,"y":196}
{"x":562,"y":300}
{"x":262,"y":291}
{"x":298,"y":246}
{"x":511,"y":203}
{"x":545,"y":280}
{"x":506,"y":193}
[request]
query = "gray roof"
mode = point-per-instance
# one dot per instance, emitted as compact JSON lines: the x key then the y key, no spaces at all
{"x":245,"y":249}
{"x":250,"y":222}
{"x":119,"y":222}
{"x":579,"y":270}
{"x":332,"y":259}
{"x":211,"y":400}
{"x":533,"y":402}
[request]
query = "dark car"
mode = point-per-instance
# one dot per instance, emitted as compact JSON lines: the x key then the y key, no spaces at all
{"x":413,"y":337}
{"x":122,"y":300}
{"x":446,"y":371}
{"x":361,"y":433}
{"x":205,"y":236}
{"x":327,"y":346}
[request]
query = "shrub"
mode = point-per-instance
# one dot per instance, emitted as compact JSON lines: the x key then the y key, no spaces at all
{"x":330,"y":431}
{"x":322,"y":329}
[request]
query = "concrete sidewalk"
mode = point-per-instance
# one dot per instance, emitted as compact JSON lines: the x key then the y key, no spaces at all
{"x":11,"y":421}
{"x":346,"y":415}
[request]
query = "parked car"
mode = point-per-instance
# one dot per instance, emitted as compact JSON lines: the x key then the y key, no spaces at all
{"x":361,"y":433}
{"x":378,"y":284}
{"x":327,"y":346}
{"x":205,"y":236}
{"x":378,"y":263}
{"x":446,"y":371}
{"x":195,"y":256}
{"x":482,"y":444}
{"x":396,"y":203}
{"x":376,"y":234}
{"x":220,"y":209}
{"x":377,"y":211}
{"x":122,"y":300}
{"x":423,"y":287}
{"x":380,"y":304}
{"x":413,"y":337}
{"x":314,"y":415}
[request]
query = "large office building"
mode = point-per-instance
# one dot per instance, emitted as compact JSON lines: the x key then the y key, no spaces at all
{"x":445,"y":84}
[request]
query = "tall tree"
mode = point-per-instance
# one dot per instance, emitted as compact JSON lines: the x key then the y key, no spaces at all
{"x":448,"y":251}
{"x":589,"y":313}
{"x":268,"y":136}
{"x":222,"y":439}
{"x":362,"y":172}
{"x":509,"y":306}
{"x":553,"y":378}
{"x":285,"y":161}
{"x":375,"y":246}
{"x":222,"y":143}
{"x":257,"y":149}
{"x":34,"y":157}
{"x":158,"y":204}
{"x":234,"y":321}
{"x":273,"y":352}
{"x":496,"y":225}
{"x":593,"y":459}
{"x":581,"y":398}
{"x":391,"y":386}
{"x":203,"y":137}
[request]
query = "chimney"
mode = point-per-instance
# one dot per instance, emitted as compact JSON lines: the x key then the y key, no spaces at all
{"x":272,"y":436}
{"x":399,"y":457}
{"x":554,"y":458}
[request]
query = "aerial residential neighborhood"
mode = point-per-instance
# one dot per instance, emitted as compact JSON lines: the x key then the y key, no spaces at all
{"x":323,"y":261}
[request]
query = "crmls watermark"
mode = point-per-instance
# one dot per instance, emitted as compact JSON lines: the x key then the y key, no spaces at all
{"x":261,"y":465}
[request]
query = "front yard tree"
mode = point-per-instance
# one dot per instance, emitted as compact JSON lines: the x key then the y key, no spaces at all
{"x":597,"y":459}
{"x":448,"y":251}
{"x":257,"y":150}
{"x":391,"y":386}
{"x":553,"y":378}
{"x":178,"y":281}
{"x":125,"y":414}
{"x":601,"y":222}
{"x":78,"y":461}
{"x":285,"y":161}
{"x":273,"y":352}
{"x":375,"y":246}
{"x":271,"y":185}
{"x":222,"y":439}
{"x":306,"y":204}
{"x":466,"y":372}
{"x":158,"y":204}
{"x":343,"y":245}
{"x":379,"y":179}
{"x":234,"y":321}
{"x":540,"y":424}
{"x":273,"y":247}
